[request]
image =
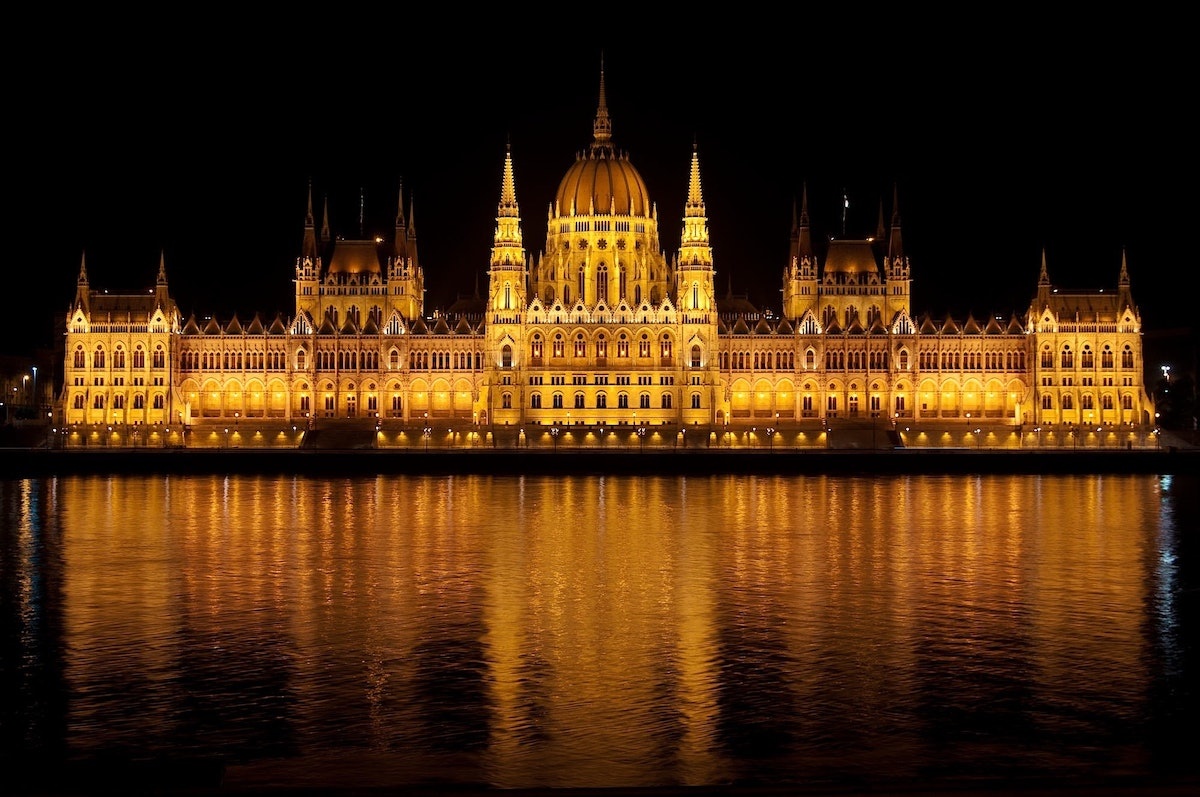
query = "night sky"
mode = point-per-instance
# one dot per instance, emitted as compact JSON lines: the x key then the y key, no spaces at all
{"x":199,"y":140}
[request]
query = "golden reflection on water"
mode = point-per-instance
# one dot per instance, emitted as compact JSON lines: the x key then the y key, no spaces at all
{"x":603,"y":631}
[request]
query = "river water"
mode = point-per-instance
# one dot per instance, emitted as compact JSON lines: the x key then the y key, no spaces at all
{"x":584,"y":631}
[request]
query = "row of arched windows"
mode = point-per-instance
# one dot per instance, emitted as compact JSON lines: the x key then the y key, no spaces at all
{"x":137,"y":358}
{"x":158,"y":401}
{"x":1087,"y":401}
{"x":1086,"y":357}
{"x":580,"y":399}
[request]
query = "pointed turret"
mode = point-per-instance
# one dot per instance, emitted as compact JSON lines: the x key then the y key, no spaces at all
{"x":507,"y":278}
{"x":895,"y":242}
{"x":308,"y":249}
{"x":1124,"y":293}
{"x":162,"y":298}
{"x":82,"y":288}
{"x":694,"y":265}
{"x":800,"y":274}
{"x":1043,"y":287}
{"x":400,"y":241}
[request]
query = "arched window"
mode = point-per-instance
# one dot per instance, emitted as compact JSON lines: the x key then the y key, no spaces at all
{"x":98,"y":358}
{"x":119,"y":358}
{"x":559,"y":345}
{"x":158,"y":401}
{"x":580,"y":346}
{"x":301,"y":359}
{"x":601,"y":401}
{"x":696,"y":355}
{"x":535,"y":348}
{"x":557,"y":401}
{"x":506,"y":356}
{"x":1067,"y":402}
{"x":622,"y":401}
{"x":695,"y":401}
{"x":602,"y":283}
{"x":1067,"y":360}
{"x":666,"y":401}
{"x":159,"y":359}
{"x":79,"y":358}
{"x":578,"y":401}
{"x":535,"y":401}
{"x":139,"y":358}
{"x":1047,"y":402}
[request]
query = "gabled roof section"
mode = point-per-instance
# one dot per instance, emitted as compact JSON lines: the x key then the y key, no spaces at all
{"x":327,"y":327}
{"x":441,"y":327}
{"x":191,"y":327}
{"x":277,"y":326}
{"x":927,"y":327}
{"x":1015,"y":327}
{"x":971,"y":327}
{"x":212,"y":327}
{"x":370,"y":328}
{"x":741,"y":327}
{"x":950,"y":327}
{"x":762,"y":327}
{"x":419,"y":328}
{"x":256,"y":326}
{"x":234,"y":327}
{"x":993,"y":327}
{"x":784,"y":328}
{"x":463,"y":327}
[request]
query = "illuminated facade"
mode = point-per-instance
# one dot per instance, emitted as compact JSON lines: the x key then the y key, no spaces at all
{"x":602,"y":332}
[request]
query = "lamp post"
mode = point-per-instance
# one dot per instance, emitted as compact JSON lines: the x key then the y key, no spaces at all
{"x":554,"y":437}
{"x":425,"y":433}
{"x":771,"y":438}
{"x":641,"y":433}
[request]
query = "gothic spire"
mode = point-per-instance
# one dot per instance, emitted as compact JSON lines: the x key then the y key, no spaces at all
{"x":895,"y":245}
{"x":602,"y":127}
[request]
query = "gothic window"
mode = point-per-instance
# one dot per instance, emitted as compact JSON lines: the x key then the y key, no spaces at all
{"x":578,"y":401}
{"x":601,"y":401}
{"x":1086,"y":402}
{"x":622,"y":401}
{"x":580,"y":346}
{"x":644,"y":401}
{"x":644,"y":346}
{"x":1106,"y":401}
{"x":666,"y":401}
{"x":557,"y":401}
{"x":506,"y":356}
{"x":535,"y":347}
{"x":696,"y":356}
{"x":1127,"y":358}
{"x":559,"y":345}
{"x":301,"y":359}
{"x":119,"y":358}
{"x":1126,"y":402}
{"x":622,"y":346}
{"x":139,"y":402}
{"x":139,"y":358}
{"x":1047,"y":358}
{"x":394,"y":359}
{"x":158,"y":401}
{"x":1086,"y":359}
{"x":535,"y":401}
{"x":1047,"y":402}
{"x":78,"y":402}
{"x":1068,"y":403}
{"x":666,"y":347}
{"x":602,"y":282}
{"x":695,"y":401}
{"x":601,"y":346}
{"x":1106,"y":358}
{"x":98,"y":358}
{"x":506,"y":401}
{"x":98,"y":402}
{"x":79,"y":358}
{"x":1067,"y":360}
{"x":579,"y":279}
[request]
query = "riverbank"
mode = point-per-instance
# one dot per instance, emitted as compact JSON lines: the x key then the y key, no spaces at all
{"x":21,"y":463}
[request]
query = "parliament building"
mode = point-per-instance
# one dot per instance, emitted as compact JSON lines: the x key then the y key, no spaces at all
{"x":603,"y":339}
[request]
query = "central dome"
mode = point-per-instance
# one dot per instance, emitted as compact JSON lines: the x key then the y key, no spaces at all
{"x":602,"y":182}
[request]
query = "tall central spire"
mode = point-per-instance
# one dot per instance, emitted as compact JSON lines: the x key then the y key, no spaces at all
{"x":602,"y":127}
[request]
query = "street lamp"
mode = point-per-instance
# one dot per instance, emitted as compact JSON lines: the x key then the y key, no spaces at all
{"x":1166,"y":369}
{"x":641,"y":433}
{"x":426,"y":432}
{"x":35,"y":393}
{"x":770,"y":438}
{"x":554,"y":437}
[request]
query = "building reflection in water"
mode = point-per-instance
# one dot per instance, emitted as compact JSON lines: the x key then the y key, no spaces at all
{"x":593,"y":631}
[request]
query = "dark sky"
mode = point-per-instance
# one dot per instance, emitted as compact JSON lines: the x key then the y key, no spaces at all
{"x":200,"y":140}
